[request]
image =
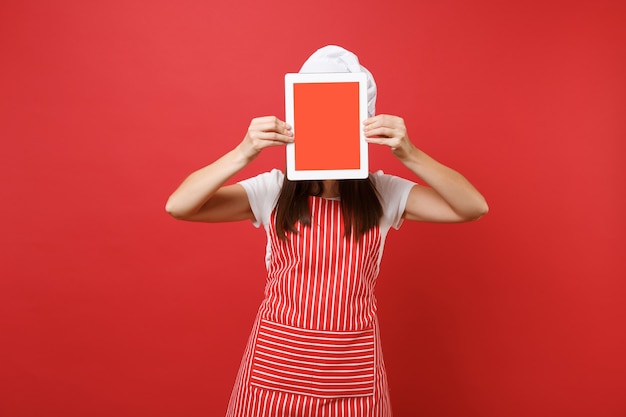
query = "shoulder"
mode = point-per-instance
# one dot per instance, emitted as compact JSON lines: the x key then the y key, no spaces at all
{"x":265,"y":182}
{"x":263,"y":191}
{"x":393,"y":192}
{"x":387,"y":185}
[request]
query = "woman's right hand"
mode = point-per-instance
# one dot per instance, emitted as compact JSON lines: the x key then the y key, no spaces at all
{"x":264,"y":132}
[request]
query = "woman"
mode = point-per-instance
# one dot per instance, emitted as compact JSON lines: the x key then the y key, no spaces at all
{"x":314,"y":347}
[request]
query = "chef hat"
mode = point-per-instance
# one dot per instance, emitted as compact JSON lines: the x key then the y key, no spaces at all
{"x":334,"y":58}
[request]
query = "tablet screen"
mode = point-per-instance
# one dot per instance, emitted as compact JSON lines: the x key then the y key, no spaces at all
{"x":327,"y":115}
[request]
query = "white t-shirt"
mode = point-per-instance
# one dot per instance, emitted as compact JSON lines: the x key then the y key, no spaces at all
{"x":264,"y":189}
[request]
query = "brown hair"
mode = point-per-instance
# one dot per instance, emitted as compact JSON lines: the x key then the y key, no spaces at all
{"x":360,"y":206}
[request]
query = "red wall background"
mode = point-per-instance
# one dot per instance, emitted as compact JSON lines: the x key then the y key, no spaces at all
{"x":108,"y":307}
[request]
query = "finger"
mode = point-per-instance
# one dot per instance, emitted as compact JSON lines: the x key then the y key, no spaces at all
{"x":267,"y":132}
{"x":379,"y":122}
{"x":270,"y":143}
{"x":383,"y":120}
{"x":381,"y":131}
{"x":373,"y":121}
{"x":377,"y":140}
{"x":271,"y":125}
{"x":265,"y":119}
{"x":272,"y":137}
{"x":369,"y":121}
{"x":269,"y":120}
{"x":392,"y":143}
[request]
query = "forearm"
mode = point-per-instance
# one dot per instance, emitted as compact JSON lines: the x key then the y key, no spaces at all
{"x":198,"y":188}
{"x":190,"y":200}
{"x":462,"y":197}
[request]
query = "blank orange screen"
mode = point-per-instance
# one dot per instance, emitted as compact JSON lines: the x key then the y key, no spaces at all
{"x":327,"y":126}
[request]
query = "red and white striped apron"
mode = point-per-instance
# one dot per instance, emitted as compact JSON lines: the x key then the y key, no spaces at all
{"x":315,"y":346}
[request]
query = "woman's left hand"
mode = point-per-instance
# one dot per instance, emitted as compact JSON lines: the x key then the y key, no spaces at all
{"x":388,"y":130}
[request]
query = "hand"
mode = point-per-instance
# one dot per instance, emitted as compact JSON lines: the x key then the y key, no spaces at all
{"x":264,"y":132}
{"x":388,"y":130}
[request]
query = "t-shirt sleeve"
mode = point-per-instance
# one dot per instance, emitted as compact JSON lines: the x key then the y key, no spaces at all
{"x":263,"y":191}
{"x":394,"y":192}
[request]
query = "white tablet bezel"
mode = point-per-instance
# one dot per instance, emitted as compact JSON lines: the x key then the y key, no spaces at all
{"x":292,"y":172}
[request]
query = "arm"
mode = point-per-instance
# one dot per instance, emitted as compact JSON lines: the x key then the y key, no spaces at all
{"x":449,"y":197}
{"x":203,"y":197}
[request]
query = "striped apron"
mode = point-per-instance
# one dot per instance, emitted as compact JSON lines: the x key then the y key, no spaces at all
{"x":315,"y":346}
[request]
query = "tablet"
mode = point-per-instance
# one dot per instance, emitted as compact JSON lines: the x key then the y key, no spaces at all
{"x":326,"y":112}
